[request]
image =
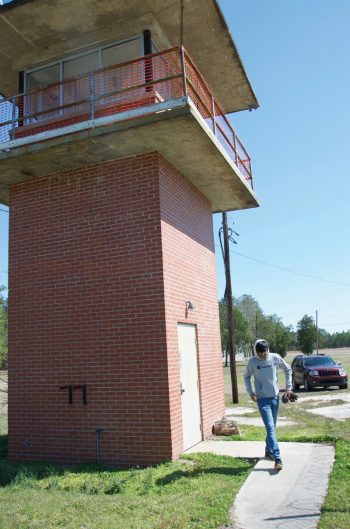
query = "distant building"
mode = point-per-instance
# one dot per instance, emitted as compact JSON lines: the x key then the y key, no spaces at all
{"x":113,"y":158}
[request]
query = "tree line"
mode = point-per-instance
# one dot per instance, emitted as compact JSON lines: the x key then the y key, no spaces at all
{"x":251,"y":323}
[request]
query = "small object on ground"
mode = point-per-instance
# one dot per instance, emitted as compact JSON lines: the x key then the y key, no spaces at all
{"x":225,"y":427}
{"x":278,"y":465}
{"x":291,"y":398}
{"x":268,"y":455}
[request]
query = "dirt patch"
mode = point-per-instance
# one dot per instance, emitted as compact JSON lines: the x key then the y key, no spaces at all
{"x":239,"y":410}
{"x":343,"y":396}
{"x":339,"y":413}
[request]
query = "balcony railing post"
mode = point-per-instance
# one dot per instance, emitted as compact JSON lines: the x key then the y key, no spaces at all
{"x":13,"y":114}
{"x":235,"y":147}
{"x":92,"y":98}
{"x":250,"y":172}
{"x":183,"y":69}
{"x":213,"y":114}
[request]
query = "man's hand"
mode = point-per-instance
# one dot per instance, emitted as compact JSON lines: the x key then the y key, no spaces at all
{"x":253,"y":397}
{"x":289,"y":396}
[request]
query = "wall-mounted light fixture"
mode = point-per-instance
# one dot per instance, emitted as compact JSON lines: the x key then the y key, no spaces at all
{"x":189,"y":305}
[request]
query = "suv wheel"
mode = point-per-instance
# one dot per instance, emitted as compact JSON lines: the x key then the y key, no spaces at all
{"x":307,"y":386}
{"x":343,"y":386}
{"x":295,"y":385}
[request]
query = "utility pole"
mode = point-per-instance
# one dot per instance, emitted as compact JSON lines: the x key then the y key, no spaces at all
{"x":227,"y":234}
{"x":316,"y":332}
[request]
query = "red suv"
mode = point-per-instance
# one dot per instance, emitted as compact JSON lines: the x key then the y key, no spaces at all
{"x":317,"y":371}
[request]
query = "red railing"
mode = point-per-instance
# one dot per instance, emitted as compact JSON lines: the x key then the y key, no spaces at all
{"x":212,"y":111}
{"x":118,"y":90}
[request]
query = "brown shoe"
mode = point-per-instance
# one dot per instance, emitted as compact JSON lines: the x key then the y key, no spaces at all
{"x":278,"y":464}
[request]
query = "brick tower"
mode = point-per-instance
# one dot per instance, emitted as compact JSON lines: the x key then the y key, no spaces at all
{"x":113,"y":157}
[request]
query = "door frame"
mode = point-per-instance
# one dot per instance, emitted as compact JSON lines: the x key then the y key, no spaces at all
{"x":199,"y":385}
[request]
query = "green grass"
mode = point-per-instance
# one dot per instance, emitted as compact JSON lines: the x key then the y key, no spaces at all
{"x":336,"y":509}
{"x":195,"y":493}
{"x":192,"y":494}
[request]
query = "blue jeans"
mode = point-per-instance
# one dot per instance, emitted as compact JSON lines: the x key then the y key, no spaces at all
{"x":268,"y":408}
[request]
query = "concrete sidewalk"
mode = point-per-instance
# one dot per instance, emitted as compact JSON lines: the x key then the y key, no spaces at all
{"x":289,"y":499}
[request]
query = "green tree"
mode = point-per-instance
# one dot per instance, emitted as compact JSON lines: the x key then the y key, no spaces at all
{"x":223,"y":327}
{"x":241,"y":331}
{"x":251,"y":323}
{"x":280,"y":336}
{"x":3,"y":328}
{"x":269,"y":327}
{"x":253,"y":313}
{"x":323,"y":339}
{"x":306,"y":333}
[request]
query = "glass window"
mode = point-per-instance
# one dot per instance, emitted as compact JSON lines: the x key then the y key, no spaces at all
{"x":126,"y":51}
{"x":73,"y":94}
{"x":155,"y":48}
{"x":81,"y":65}
{"x":116,"y":54}
{"x":319,"y":361}
{"x":43,"y":77}
{"x":39,"y":102}
{"x":77,"y":90}
{"x":117,"y":82}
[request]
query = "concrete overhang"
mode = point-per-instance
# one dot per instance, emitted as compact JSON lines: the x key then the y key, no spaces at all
{"x":179,"y":134}
{"x":34,"y":32}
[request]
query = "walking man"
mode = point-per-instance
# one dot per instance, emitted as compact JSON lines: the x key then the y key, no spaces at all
{"x":264,"y":368}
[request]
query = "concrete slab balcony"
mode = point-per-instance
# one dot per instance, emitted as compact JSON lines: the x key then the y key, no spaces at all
{"x":158,"y":102}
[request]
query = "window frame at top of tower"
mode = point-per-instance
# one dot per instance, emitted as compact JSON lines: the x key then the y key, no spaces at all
{"x":59,"y":65}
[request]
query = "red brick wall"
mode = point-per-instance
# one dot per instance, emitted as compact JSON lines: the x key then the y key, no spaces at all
{"x":86,"y":306}
{"x":190,"y":274}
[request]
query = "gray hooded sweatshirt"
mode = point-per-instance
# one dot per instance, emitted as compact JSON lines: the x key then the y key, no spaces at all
{"x":265,"y":373}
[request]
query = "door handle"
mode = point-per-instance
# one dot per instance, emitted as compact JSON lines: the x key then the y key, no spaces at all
{"x":182,"y":390}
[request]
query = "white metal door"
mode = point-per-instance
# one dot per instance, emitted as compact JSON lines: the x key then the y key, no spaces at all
{"x":191,"y":418}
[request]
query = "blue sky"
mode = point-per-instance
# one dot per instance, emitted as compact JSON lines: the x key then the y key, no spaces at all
{"x":296,"y":56}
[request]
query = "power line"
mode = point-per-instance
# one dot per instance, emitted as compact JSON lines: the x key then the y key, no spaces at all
{"x":292,"y":271}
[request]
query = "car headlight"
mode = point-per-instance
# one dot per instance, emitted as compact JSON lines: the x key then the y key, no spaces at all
{"x":342,"y":371}
{"x":313,"y":372}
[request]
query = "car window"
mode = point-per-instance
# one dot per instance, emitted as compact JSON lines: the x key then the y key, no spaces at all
{"x":319,"y":361}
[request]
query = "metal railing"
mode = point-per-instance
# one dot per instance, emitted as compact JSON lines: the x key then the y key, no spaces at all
{"x":211,"y":110}
{"x":113,"y":91}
